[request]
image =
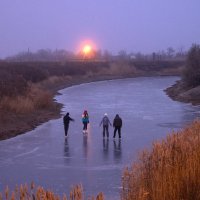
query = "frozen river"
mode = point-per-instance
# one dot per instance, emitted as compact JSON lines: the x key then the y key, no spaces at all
{"x":47,"y":158}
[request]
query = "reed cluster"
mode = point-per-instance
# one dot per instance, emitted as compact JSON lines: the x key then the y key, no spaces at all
{"x":35,"y":98}
{"x":170,"y":170}
{"x":24,"y":192}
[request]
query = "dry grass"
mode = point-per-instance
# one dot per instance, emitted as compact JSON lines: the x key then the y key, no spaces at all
{"x":169,"y":171}
{"x":54,"y":81}
{"x":121,"y":68}
{"x":34,"y":99}
{"x":20,"y":104}
{"x":39,"y":193}
{"x":41,"y":98}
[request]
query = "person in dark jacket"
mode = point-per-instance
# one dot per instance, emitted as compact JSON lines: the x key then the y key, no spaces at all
{"x":106,"y":122}
{"x":66,"y":120}
{"x":117,"y":124}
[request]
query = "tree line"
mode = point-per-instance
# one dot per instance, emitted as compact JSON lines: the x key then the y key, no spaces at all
{"x":64,"y":55}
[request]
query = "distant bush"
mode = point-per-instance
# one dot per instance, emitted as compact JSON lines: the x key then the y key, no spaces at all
{"x":16,"y":76}
{"x":191,"y":75}
{"x":12,"y":85}
{"x":170,"y":170}
{"x":122,"y":68}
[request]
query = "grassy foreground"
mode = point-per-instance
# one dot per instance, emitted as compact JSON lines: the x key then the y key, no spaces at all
{"x":39,"y":193}
{"x":169,"y":171}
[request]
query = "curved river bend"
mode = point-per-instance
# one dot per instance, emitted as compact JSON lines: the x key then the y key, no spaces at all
{"x":47,"y":158}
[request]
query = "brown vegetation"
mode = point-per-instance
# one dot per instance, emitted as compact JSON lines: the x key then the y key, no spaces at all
{"x":39,"y":193}
{"x":170,"y":170}
{"x":34,"y":98}
{"x":159,"y":67}
{"x":15,"y":76}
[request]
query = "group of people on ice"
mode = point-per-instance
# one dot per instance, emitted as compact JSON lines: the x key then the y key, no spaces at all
{"x":117,"y":124}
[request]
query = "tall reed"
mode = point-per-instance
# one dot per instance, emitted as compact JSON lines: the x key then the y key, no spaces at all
{"x":39,"y":193}
{"x":35,"y":98}
{"x":169,"y":171}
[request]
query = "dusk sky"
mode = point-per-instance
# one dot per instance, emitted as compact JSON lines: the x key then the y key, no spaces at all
{"x":131,"y":25}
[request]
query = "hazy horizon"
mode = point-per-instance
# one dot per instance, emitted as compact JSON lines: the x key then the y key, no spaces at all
{"x":129,"y":25}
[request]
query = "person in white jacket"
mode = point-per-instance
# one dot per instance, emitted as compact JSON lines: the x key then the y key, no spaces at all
{"x":106,"y":122}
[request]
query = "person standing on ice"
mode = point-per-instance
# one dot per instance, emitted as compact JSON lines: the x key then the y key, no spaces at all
{"x":85,"y":121}
{"x":106,"y":122}
{"x":117,"y":124}
{"x":66,"y":120}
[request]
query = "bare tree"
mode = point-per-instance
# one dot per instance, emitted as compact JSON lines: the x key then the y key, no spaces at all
{"x":170,"y":52}
{"x":191,"y":74}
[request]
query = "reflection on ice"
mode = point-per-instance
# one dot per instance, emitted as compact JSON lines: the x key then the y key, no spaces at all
{"x":85,"y":146}
{"x":117,"y":150}
{"x":66,"y":149}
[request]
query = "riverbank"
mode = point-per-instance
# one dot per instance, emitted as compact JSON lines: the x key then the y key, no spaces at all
{"x":180,"y":92}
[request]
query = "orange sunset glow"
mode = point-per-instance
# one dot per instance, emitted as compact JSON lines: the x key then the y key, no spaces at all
{"x":87,"y":49}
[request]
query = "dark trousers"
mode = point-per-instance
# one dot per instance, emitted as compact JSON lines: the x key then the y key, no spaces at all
{"x":66,"y":126}
{"x":105,"y":130}
{"x":85,"y":126}
{"x":117,"y":128}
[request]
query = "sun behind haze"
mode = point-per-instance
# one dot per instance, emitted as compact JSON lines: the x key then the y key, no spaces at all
{"x":87,"y":49}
